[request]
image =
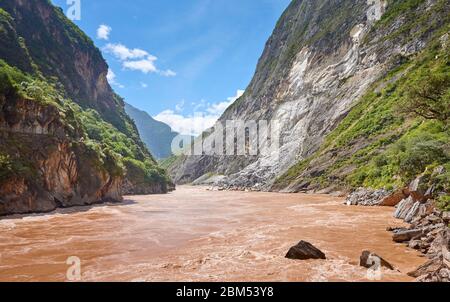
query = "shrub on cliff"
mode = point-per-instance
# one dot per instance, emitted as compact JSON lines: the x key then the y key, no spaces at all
{"x":415,"y":154}
{"x":428,"y":96}
{"x":98,"y":141}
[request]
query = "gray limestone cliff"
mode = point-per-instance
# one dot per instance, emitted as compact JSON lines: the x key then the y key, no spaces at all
{"x":322,"y":57}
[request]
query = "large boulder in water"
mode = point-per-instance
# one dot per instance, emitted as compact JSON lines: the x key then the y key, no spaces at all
{"x":304,"y":251}
{"x":369,"y":259}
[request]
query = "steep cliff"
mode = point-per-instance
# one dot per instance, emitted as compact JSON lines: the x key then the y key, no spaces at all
{"x":65,"y":138}
{"x":322,"y":61}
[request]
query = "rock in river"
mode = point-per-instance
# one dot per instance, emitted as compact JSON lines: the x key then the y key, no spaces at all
{"x":369,"y":259}
{"x":304,"y":251}
{"x":404,"y":236}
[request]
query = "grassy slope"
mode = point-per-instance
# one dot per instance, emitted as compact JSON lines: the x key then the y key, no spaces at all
{"x":392,"y":148}
{"x":114,"y":145}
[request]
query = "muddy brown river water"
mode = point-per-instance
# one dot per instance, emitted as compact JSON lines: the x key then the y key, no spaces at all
{"x":198,"y":235}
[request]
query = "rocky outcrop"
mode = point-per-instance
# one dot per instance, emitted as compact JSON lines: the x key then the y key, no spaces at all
{"x":404,"y":235}
{"x":428,"y":233}
{"x":429,"y":230}
{"x":53,"y":171}
{"x":367,"y":197}
{"x":65,"y":139}
{"x":133,"y":188}
{"x":305,"y":251}
{"x":320,"y":60}
{"x":408,"y":209}
{"x":370,"y":197}
{"x":433,"y":271}
{"x":395,"y":198}
{"x":58,"y":48}
{"x":369,"y":259}
{"x":420,"y":192}
{"x":410,"y":202}
{"x":438,"y":268}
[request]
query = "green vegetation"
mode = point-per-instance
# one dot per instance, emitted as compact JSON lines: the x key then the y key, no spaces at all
{"x":397,"y":8}
{"x":168,"y":162}
{"x":14,"y":82}
{"x":43,"y":68}
{"x":145,"y":171}
{"x":395,"y":132}
{"x":420,"y":21}
{"x":429,"y":97}
{"x":421,"y":147}
{"x":16,"y":157}
{"x":12,"y":48}
{"x":444,"y":202}
{"x":93,"y":139}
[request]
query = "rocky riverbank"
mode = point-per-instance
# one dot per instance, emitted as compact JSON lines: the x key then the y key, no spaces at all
{"x":429,"y":230}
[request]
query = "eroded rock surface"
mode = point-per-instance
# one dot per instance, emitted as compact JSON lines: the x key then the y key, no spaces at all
{"x":304,"y":251}
{"x":369,"y":259}
{"x":308,"y":78}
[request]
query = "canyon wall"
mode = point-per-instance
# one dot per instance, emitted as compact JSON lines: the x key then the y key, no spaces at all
{"x":321,"y":60}
{"x":65,"y":139}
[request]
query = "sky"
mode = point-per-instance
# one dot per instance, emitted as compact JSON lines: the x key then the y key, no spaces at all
{"x":182,"y":61}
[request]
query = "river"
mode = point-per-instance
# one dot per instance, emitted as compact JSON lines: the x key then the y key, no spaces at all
{"x":194,"y":234}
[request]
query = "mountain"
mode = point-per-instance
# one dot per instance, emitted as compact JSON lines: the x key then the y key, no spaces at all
{"x":156,"y":135}
{"x":354,"y":84}
{"x":65,"y":138}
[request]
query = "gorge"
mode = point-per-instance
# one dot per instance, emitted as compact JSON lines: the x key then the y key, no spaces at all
{"x":361,"y":90}
{"x":183,"y":236}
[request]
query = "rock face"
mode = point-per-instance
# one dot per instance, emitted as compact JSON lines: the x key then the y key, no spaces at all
{"x":64,"y":176}
{"x":433,"y":271}
{"x":419,"y":190}
{"x":321,"y":58}
{"x":429,"y":233}
{"x":65,"y":139}
{"x":419,"y":202}
{"x":407,"y":235}
{"x":369,"y":259}
{"x":367,"y":197}
{"x":304,"y":251}
{"x":395,"y":198}
{"x":59,"y":49}
{"x":438,"y":268}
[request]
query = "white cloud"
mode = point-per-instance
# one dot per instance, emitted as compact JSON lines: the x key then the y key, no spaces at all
{"x":146,"y":65}
{"x":198,"y":122}
{"x":124,"y":53}
{"x":111,"y":77}
{"x":220,"y":108}
{"x":103,"y":32}
{"x":189,"y":125}
{"x":180,"y":106}
{"x":168,"y":73}
{"x":239,"y":93}
{"x":144,"y":85}
{"x":136,"y":59}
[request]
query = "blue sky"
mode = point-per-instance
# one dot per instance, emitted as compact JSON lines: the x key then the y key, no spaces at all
{"x":182,"y":61}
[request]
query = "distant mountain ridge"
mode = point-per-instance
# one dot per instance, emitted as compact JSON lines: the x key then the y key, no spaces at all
{"x":158,"y":136}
